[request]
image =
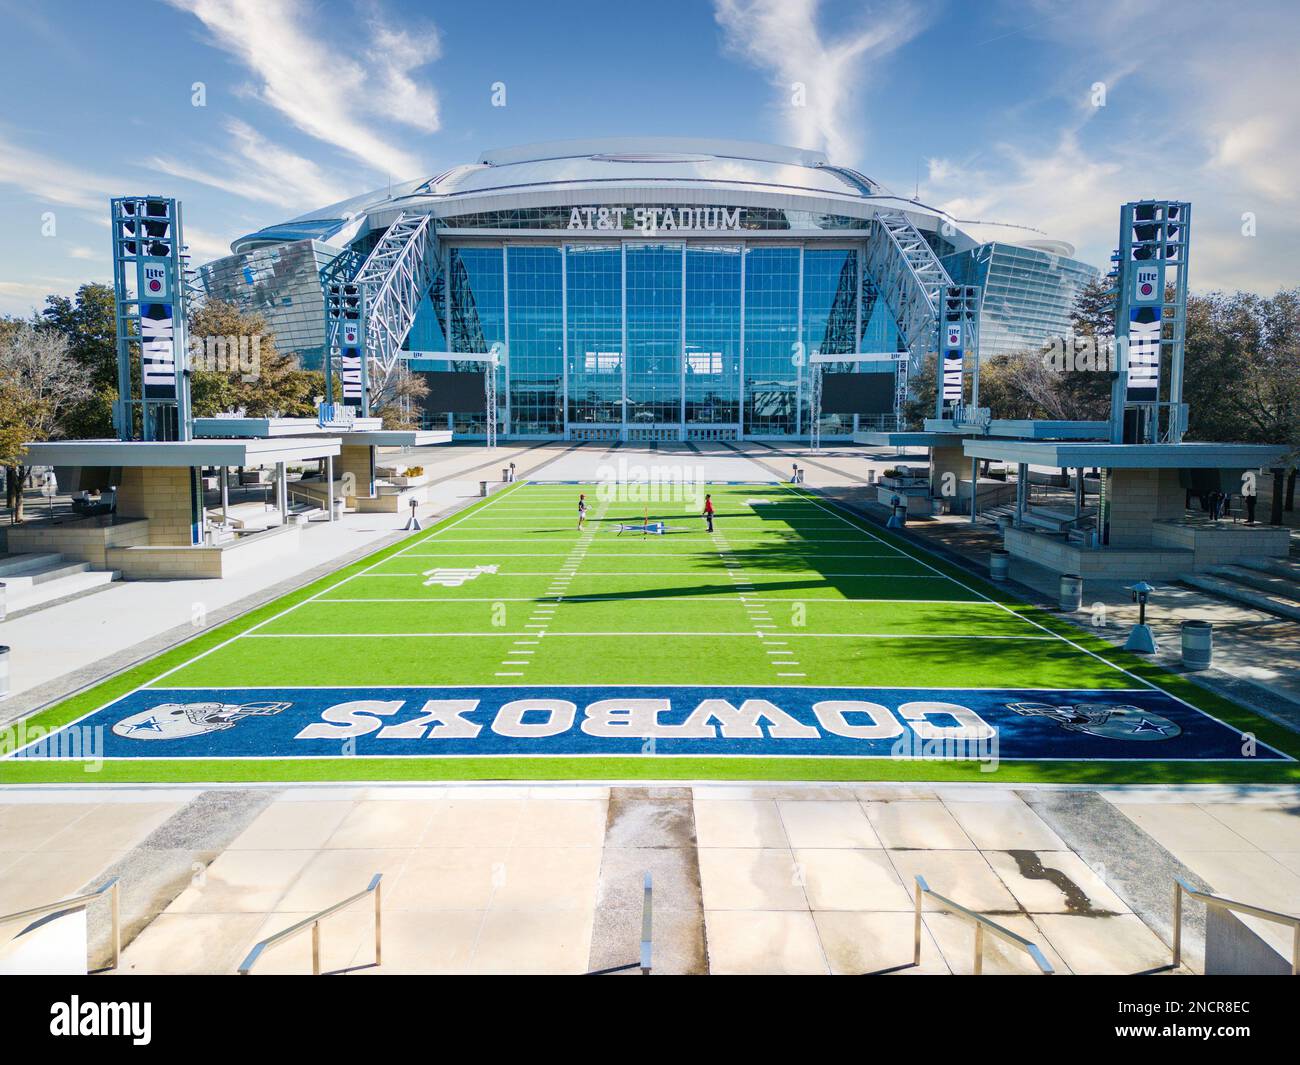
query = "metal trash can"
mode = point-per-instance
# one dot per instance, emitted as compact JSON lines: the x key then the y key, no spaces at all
{"x":482,"y":488}
{"x":999,"y":561}
{"x":898,"y":520}
{"x":505,"y":474}
{"x":1071,"y":592}
{"x":1198,"y":645}
{"x":4,"y":672}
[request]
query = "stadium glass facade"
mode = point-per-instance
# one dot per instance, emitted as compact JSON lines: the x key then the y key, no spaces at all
{"x":652,"y":340}
{"x":282,"y":283}
{"x":645,"y":289}
{"x":1028,"y":294}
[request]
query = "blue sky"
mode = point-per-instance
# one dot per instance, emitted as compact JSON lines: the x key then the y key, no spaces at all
{"x":1048,"y":113}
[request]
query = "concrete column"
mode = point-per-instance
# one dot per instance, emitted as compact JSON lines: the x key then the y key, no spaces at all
{"x":282,"y":491}
{"x":225,"y":495}
{"x":1022,"y":479}
{"x":945,"y":460}
{"x":974,"y":488}
{"x":329,"y":485}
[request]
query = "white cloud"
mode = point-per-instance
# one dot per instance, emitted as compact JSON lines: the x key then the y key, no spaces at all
{"x":1203,"y":111}
{"x":782,"y":37}
{"x":319,"y":87}
{"x":204,"y":246}
{"x":24,"y":298}
{"x":258,"y":169}
{"x":52,"y":181}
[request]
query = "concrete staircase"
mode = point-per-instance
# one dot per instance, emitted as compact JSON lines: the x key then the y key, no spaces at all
{"x":1271,"y":585}
{"x":34,"y":579}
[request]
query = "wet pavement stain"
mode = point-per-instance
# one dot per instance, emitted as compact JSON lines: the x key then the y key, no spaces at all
{"x":1031,"y":867}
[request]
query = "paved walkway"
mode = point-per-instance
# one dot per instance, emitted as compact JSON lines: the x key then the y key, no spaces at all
{"x":748,"y":878}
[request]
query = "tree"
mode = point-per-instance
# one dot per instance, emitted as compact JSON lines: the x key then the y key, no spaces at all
{"x":237,"y":367}
{"x":1242,"y":367}
{"x":89,"y":323}
{"x":1085,"y":394}
{"x":40,"y":384}
{"x":397,"y":398}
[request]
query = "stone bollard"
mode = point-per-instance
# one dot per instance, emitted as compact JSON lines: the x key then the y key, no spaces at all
{"x":1198,"y":645}
{"x":1071,"y":592}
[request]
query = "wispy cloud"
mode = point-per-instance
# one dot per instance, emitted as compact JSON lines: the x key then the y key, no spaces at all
{"x":257,"y":169}
{"x":53,"y":181}
{"x":1213,"y":120}
{"x":783,"y":38}
{"x":315,"y":84}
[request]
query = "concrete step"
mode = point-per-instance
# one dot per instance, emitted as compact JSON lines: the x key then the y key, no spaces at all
{"x":20,"y":583}
{"x":1279,"y":567}
{"x":1285,"y":587}
{"x":26,"y":561}
{"x":80,"y":583}
{"x":1226,"y":588}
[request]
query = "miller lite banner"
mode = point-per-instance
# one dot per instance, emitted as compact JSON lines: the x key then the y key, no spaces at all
{"x":1147,"y":285}
{"x":157,"y":351}
{"x":952,"y":363}
{"x":1143,"y":355}
{"x":351,"y":371}
{"x":155,"y":281}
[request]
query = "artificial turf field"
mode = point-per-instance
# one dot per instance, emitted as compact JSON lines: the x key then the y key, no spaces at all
{"x":797,"y":641}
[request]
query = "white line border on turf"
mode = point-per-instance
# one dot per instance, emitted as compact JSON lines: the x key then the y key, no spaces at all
{"x":606,"y":754}
{"x":1064,"y":639}
{"x":553,"y":634}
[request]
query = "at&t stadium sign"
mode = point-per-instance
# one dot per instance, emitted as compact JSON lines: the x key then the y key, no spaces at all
{"x":658,"y":219}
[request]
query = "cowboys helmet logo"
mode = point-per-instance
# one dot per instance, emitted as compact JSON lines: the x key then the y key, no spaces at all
{"x":1108,"y":722}
{"x":176,"y":721}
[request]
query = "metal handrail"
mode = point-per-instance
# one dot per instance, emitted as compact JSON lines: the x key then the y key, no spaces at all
{"x":981,"y":923}
{"x":80,"y":902}
{"x":647,"y":926}
{"x":314,"y":922}
{"x":1182,"y":887}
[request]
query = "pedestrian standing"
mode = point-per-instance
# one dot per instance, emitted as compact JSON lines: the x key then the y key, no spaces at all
{"x":708,"y":511}
{"x":582,"y":509}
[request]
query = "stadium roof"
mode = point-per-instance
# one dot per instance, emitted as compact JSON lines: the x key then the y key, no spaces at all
{"x":628,"y":169}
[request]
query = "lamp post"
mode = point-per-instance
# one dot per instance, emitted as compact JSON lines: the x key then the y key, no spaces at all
{"x":1141,"y":639}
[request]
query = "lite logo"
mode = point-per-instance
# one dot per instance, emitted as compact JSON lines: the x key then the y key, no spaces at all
{"x":74,"y":1017}
{"x":453,"y":578}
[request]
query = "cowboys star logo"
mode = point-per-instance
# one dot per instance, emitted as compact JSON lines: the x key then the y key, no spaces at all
{"x":1108,"y":722}
{"x":175,"y":721}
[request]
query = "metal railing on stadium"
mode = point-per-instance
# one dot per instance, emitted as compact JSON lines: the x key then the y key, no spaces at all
{"x":982,"y":925}
{"x":1182,"y":887}
{"x":314,"y":922}
{"x":80,"y":902}
{"x":647,"y":935}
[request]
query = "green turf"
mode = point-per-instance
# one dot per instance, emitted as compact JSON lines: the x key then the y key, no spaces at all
{"x":852,"y":604}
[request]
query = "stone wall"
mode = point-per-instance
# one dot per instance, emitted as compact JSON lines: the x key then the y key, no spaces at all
{"x":161,"y":494}
{"x":81,"y":540}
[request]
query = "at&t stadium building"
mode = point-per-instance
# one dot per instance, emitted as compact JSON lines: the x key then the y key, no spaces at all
{"x":649,"y":288}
